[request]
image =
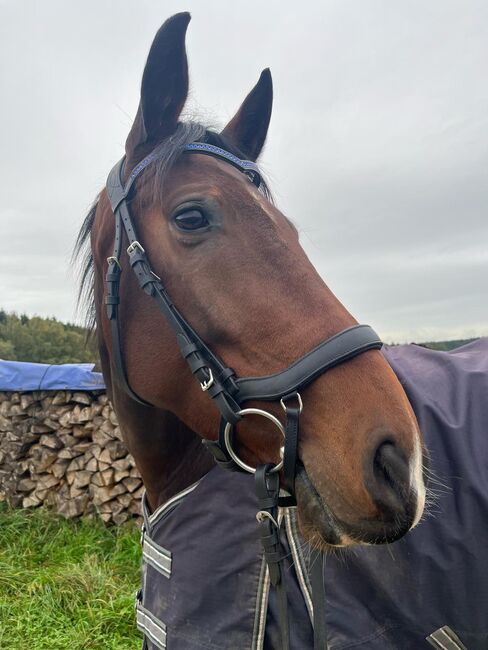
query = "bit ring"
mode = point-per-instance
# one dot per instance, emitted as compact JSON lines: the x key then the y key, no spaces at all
{"x":228,"y":442}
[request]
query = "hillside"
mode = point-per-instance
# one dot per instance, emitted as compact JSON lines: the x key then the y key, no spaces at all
{"x":43,"y":340}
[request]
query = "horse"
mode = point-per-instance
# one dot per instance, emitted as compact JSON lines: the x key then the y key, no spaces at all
{"x":215,"y":286}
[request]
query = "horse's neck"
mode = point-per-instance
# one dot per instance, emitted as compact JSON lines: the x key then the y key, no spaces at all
{"x":168,"y":454}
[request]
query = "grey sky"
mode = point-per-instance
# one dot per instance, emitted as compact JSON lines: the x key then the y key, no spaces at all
{"x":378,"y":147}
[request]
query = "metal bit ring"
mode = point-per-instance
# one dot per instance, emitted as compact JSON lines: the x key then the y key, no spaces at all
{"x":228,"y":443}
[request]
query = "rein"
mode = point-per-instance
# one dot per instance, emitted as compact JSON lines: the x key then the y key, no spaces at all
{"x":227,"y":390}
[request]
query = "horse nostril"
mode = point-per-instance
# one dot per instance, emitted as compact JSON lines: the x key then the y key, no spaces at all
{"x":389,"y":483}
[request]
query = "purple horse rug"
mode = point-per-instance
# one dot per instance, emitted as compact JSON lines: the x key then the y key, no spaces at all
{"x":205,"y":585}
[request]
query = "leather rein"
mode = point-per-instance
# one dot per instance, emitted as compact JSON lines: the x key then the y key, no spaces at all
{"x":223,"y":386}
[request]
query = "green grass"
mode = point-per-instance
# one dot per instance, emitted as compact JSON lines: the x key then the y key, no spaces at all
{"x":66,"y":585}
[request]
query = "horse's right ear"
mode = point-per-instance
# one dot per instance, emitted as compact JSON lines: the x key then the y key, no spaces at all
{"x":164,"y":85}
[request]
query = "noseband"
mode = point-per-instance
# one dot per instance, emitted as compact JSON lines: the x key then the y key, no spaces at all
{"x":221,"y":383}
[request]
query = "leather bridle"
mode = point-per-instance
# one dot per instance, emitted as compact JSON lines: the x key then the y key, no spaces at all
{"x":220,"y":382}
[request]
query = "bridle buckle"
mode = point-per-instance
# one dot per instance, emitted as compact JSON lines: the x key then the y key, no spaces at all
{"x":208,"y":383}
{"x":113,"y":260}
{"x":285,"y":399}
{"x":135,"y":246}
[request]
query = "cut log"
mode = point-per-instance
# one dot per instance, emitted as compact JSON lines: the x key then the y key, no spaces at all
{"x":51,"y":441}
{"x":58,"y":469}
{"x":70,"y":477}
{"x":125,"y":499}
{"x":83,"y":447}
{"x":82,"y":479}
{"x":51,"y":422}
{"x":72,"y":508}
{"x":65,"y":420}
{"x":120,"y":518}
{"x":134,"y":508}
{"x":47,"y":458}
{"x":76,"y":464}
{"x":68,"y":440}
{"x":121,"y":464}
{"x":92,"y":465}
{"x":131,"y":484}
{"x":46,"y":481}
{"x":80,"y":432}
{"x":103,"y":494}
{"x":68,"y":453}
{"x":61,"y":397}
{"x":138,"y":494}
{"x":104,"y":457}
{"x":81,"y":398}
{"x":46,"y":402}
{"x":104,"y":478}
{"x":116,"y":449}
{"x":26,"y":485}
{"x":121,"y":474}
{"x":75,"y":492}
{"x":26,"y":400}
{"x":107,"y":427}
{"x":101,"y":438}
{"x":31,"y":502}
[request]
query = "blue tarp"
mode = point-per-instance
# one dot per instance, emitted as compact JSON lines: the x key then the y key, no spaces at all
{"x":23,"y":376}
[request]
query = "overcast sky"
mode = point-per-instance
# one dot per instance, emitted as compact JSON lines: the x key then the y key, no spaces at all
{"x":378,"y":146}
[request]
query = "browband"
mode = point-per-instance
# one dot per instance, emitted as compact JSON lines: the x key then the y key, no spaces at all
{"x":118,"y":192}
{"x":247,"y":166}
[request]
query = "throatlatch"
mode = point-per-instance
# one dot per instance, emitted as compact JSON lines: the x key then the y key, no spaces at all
{"x":221,"y":384}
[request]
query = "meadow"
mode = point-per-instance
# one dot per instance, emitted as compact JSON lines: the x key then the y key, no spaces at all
{"x":66,"y":584}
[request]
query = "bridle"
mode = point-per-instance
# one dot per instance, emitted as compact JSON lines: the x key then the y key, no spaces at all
{"x":220,"y":382}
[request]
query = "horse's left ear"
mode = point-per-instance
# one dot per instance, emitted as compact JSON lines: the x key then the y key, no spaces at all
{"x":248,"y":128}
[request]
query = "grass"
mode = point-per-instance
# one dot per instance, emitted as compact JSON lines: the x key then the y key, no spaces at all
{"x":66,"y":585}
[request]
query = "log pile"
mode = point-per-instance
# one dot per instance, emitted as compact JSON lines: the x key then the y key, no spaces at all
{"x":63,"y":450}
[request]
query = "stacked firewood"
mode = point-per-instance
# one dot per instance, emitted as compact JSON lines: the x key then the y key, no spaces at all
{"x":63,"y":449}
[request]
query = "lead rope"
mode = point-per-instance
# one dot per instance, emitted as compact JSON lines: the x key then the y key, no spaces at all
{"x":267,"y":485}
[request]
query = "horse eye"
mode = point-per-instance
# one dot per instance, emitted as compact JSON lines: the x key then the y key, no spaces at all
{"x":191,"y":220}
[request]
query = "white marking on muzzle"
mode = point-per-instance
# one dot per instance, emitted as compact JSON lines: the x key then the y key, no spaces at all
{"x":417,"y":481}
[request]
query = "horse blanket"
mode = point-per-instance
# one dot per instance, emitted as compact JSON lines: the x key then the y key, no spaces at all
{"x":205,"y":585}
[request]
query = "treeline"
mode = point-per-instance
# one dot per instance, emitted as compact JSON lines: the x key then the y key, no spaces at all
{"x":446,"y":345}
{"x":48,"y":340}
{"x":44,"y":340}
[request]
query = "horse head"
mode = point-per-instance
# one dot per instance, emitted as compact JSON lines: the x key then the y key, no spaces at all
{"x":233,"y":266}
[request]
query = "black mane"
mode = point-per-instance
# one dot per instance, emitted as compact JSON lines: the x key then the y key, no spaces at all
{"x":170,"y":149}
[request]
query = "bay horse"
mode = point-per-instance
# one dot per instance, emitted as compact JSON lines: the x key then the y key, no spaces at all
{"x":239,"y":299}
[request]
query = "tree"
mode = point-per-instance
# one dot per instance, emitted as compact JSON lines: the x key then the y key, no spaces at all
{"x":44,"y":340}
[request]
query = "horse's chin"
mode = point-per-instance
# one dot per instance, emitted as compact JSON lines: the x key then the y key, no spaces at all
{"x":324,"y":531}
{"x":318,"y":525}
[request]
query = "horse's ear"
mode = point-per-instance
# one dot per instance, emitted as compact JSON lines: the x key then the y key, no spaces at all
{"x":164,"y":85}
{"x":249,"y":126}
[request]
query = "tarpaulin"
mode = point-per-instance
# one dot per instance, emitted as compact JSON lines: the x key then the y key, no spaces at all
{"x":24,"y":376}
